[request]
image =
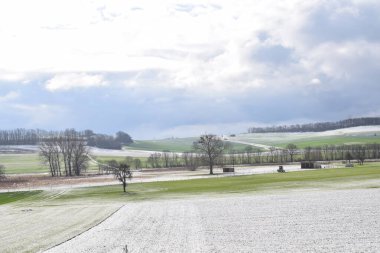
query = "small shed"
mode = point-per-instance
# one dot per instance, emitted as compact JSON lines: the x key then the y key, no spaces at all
{"x":310,"y":165}
{"x":228,"y":169}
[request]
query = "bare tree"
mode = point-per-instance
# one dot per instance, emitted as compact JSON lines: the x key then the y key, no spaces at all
{"x":68,"y":147}
{"x":80,"y":156}
{"x":50,"y":154}
{"x":292,"y":150}
{"x":249,"y":151}
{"x":137,"y":163}
{"x":2,"y":172}
{"x":191,"y":160}
{"x":122,"y":173}
{"x":166,"y":158}
{"x":211,"y":147}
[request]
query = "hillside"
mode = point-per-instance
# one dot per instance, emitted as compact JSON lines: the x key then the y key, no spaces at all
{"x":353,"y":135}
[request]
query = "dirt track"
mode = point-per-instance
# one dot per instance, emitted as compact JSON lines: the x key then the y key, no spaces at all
{"x":299,"y":221}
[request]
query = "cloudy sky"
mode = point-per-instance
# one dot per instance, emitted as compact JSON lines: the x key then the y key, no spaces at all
{"x":181,"y":68}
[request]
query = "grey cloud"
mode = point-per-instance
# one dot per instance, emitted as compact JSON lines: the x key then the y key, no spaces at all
{"x":273,"y":54}
{"x":340,"y":21}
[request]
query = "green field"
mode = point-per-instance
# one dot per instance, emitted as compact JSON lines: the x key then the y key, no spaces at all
{"x":303,"y":140}
{"x":327,"y":178}
{"x":31,"y":163}
{"x":334,"y":140}
{"x":173,"y":145}
{"x":9,"y":197}
{"x":22,"y":163}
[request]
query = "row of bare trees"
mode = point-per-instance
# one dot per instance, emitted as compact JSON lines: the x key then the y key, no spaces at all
{"x":220,"y":156}
{"x":66,"y":154}
{"x":291,"y":153}
{"x":21,"y":136}
{"x":318,"y":126}
{"x":166,"y":159}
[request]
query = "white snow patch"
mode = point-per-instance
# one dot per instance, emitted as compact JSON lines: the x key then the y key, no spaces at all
{"x":308,"y":221}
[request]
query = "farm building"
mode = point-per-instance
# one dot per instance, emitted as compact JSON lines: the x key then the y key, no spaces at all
{"x":310,"y":165}
{"x":228,"y":169}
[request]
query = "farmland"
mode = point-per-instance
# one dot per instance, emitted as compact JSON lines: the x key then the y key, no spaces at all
{"x":249,"y":198}
{"x":31,"y":163}
{"x":173,"y":145}
{"x":191,"y":210}
{"x":355,"y":135}
{"x":310,"y":221}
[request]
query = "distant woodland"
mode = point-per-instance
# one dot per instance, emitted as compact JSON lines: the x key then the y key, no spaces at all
{"x":35,"y":136}
{"x":317,"y":127}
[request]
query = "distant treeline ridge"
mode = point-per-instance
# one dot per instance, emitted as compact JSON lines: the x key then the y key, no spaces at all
{"x":317,"y":127}
{"x":21,"y":136}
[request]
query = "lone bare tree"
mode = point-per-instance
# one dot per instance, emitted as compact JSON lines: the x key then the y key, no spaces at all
{"x":122,"y":173}
{"x":211,"y":147}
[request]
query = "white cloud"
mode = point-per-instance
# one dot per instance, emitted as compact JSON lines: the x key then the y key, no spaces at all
{"x":315,"y":81}
{"x":206,"y":46}
{"x":70,"y":81}
{"x":12,"y":76}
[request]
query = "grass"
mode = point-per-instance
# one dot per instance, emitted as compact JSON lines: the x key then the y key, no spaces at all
{"x":303,"y":140}
{"x":225,"y":185}
{"x":173,"y":145}
{"x":22,"y":163}
{"x":9,"y":197}
{"x":31,"y":163}
{"x":344,"y":140}
{"x":117,"y":158}
{"x":170,"y":144}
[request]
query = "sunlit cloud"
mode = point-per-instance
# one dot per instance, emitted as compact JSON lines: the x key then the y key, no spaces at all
{"x":74,"y":80}
{"x":173,"y":61}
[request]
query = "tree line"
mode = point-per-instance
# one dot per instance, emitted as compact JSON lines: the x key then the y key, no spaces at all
{"x":21,"y":136}
{"x":317,"y":127}
{"x":291,"y":153}
{"x":251,"y":156}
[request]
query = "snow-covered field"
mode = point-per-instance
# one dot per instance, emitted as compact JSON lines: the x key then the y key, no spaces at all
{"x":295,"y":221}
{"x":265,"y":140}
{"x":30,"y":227}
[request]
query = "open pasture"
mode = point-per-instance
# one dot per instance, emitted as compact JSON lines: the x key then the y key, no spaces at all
{"x":22,"y":163}
{"x":355,"y":135}
{"x":173,"y":145}
{"x":31,"y":163}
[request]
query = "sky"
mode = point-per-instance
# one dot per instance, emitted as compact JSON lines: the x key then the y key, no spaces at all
{"x":157,"y":69}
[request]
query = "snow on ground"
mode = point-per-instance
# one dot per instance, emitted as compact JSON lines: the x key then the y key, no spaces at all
{"x":267,"y":140}
{"x":41,"y":225}
{"x":298,"y":221}
{"x":124,"y":152}
{"x":95,"y":151}
{"x":351,"y":130}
